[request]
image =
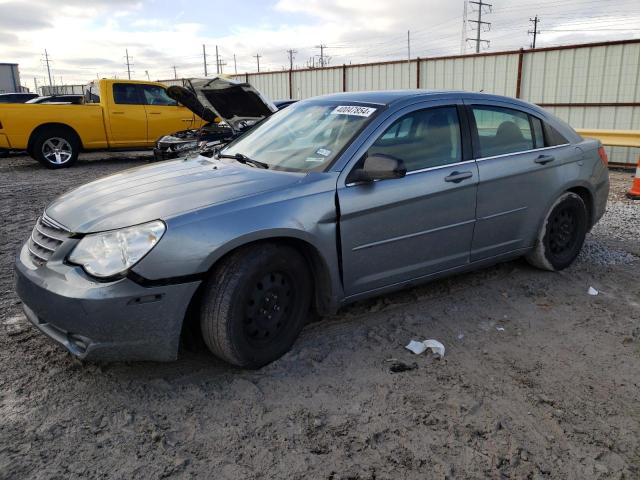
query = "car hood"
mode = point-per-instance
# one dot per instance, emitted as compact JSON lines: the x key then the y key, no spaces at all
{"x":161,"y":191}
{"x":239,"y":104}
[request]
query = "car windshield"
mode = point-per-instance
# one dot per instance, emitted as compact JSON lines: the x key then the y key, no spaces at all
{"x":304,"y":137}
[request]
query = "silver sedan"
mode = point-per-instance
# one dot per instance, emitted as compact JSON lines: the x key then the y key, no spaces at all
{"x":331,"y":200}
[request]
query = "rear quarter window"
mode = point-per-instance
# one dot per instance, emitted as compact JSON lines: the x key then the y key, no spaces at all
{"x":552,"y":136}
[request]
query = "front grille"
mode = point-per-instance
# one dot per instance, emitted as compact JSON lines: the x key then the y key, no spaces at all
{"x":45,"y":238}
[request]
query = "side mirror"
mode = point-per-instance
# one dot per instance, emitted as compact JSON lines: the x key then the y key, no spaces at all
{"x":378,"y":167}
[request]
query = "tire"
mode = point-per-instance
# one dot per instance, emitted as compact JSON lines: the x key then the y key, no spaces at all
{"x":55,"y":148}
{"x":255,"y":304}
{"x":562,"y":234}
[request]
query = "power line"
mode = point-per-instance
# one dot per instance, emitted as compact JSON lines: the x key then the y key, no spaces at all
{"x":479,"y":24}
{"x":535,"y":30}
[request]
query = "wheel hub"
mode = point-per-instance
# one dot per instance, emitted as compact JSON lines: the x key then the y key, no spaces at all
{"x":269,"y":307}
{"x":562,"y":231}
{"x":57,"y":150}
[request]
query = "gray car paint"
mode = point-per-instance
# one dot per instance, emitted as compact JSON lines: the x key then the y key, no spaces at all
{"x":416,"y":228}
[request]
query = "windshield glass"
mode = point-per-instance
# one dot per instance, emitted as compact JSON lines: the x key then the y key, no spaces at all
{"x":305,"y":136}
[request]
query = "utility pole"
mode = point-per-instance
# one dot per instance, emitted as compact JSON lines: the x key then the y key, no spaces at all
{"x":35,"y":83}
{"x":46,"y":59}
{"x":321,"y":47}
{"x":235,"y":64}
{"x":409,"y":58}
{"x":535,"y":30}
{"x":204,"y":57}
{"x":257,"y":55}
{"x":463,"y":40}
{"x":291,"y":53}
{"x":221,"y":63}
{"x":217,"y":61}
{"x":146,"y":72}
{"x":128,"y":64}
{"x":479,"y":23}
{"x":175,"y":73}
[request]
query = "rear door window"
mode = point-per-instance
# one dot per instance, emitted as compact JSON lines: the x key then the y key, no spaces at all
{"x":423,"y":139}
{"x":502,"y":130}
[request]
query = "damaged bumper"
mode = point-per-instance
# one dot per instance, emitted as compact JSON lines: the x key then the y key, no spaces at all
{"x":114,"y":321}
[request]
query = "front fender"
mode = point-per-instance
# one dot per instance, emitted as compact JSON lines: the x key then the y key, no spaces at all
{"x":196,"y":241}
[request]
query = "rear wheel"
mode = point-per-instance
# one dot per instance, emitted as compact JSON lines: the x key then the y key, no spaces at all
{"x":55,"y":148}
{"x":562,"y":234}
{"x":255,"y":304}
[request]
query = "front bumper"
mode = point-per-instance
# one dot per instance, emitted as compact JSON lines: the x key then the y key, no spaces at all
{"x":161,"y":154}
{"x":114,"y":321}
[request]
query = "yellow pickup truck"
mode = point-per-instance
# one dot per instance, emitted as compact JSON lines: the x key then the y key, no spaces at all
{"x":116,"y":114}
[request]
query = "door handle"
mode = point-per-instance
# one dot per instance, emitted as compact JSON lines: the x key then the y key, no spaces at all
{"x":117,"y":113}
{"x":154,"y":113}
{"x":544,"y":159}
{"x":457,"y":177}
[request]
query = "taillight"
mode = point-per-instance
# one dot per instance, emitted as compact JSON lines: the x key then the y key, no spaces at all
{"x":603,"y":156}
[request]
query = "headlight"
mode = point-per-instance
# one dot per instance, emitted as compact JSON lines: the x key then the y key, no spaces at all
{"x":110,"y":253}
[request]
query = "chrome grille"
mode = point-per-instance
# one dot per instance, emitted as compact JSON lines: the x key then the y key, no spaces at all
{"x":45,"y":238}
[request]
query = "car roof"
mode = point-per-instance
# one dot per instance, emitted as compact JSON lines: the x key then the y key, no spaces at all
{"x":389,"y":97}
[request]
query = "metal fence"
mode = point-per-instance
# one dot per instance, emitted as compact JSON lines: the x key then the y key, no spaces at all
{"x":594,"y":85}
{"x":61,"y":90}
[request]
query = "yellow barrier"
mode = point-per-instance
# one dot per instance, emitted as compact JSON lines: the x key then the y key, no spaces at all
{"x":613,"y":138}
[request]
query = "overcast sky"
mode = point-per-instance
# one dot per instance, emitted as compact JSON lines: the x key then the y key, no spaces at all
{"x":87,"y":39}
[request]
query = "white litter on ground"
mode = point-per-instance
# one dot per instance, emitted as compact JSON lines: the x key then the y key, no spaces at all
{"x":500,"y":329}
{"x":592,"y":291}
{"x":418,"y":347}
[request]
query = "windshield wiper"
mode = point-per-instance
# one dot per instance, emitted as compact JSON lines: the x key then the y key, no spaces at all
{"x":246,"y":160}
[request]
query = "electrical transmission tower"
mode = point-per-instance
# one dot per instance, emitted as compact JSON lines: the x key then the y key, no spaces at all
{"x":128,"y":63}
{"x":535,"y":32}
{"x":323,"y":60}
{"x":480,"y":24}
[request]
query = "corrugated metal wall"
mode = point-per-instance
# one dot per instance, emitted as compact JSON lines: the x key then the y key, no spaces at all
{"x":274,"y":85}
{"x":386,"y":76}
{"x":487,"y":73}
{"x":590,"y":85}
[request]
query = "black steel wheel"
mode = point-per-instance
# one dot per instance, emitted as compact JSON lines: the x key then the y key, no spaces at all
{"x":255,"y":304}
{"x":562,"y":234}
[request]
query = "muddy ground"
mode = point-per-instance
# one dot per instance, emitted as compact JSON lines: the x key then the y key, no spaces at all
{"x":553,"y":395}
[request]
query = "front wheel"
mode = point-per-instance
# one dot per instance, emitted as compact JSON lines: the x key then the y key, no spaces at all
{"x":55,"y":148}
{"x":561,"y":235}
{"x":255,"y":304}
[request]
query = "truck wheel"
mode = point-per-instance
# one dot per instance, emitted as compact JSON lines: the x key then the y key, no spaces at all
{"x":561,"y":235}
{"x":55,"y":148}
{"x":255,"y":304}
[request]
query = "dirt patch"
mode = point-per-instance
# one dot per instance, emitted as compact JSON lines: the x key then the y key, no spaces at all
{"x":540,"y":380}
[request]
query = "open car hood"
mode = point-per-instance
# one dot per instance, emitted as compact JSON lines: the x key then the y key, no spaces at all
{"x":239,"y":104}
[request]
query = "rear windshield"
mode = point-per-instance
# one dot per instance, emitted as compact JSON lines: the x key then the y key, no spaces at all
{"x":306,"y":136}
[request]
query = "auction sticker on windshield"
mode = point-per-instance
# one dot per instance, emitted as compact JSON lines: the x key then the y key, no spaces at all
{"x":353,"y":110}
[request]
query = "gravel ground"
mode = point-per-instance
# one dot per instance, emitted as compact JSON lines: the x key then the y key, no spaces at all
{"x":540,"y":380}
